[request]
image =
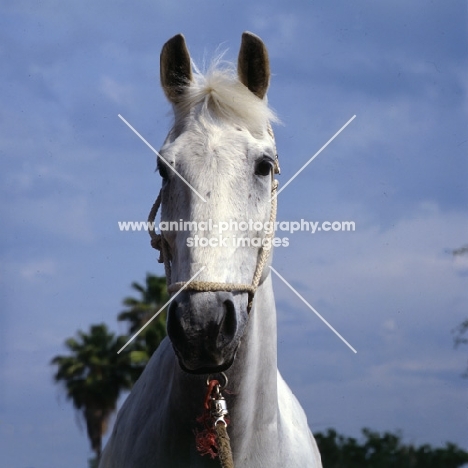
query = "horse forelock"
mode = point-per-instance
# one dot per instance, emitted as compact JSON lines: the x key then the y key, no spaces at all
{"x":219,"y":94}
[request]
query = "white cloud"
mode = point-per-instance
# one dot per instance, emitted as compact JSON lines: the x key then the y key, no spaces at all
{"x":122,"y":94}
{"x":278,"y":28}
{"x":39,"y":268}
{"x":460,"y":264}
{"x":67,"y":217}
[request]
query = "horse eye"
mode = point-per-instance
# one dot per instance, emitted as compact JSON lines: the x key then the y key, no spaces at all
{"x":162,"y":168}
{"x":264,"y":167}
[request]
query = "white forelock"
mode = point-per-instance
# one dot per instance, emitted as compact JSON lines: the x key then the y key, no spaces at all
{"x":224,"y":97}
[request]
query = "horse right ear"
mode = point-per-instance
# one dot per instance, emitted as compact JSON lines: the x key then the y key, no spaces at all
{"x":253,"y":64}
{"x":175,"y":68}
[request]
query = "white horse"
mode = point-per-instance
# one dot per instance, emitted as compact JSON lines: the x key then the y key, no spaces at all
{"x":221,"y":148}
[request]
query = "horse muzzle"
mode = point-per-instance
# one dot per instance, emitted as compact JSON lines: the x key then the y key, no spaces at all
{"x":205,"y":329}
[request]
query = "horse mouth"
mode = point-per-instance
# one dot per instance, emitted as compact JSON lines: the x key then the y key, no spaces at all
{"x":206,"y":369}
{"x":199,"y":367}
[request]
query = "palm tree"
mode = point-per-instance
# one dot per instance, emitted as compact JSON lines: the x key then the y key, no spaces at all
{"x":94,"y":375}
{"x":153,"y":295}
{"x":461,"y":330}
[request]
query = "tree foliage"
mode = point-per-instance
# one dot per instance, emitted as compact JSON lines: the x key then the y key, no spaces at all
{"x":139,"y":311}
{"x":94,"y":375}
{"x":384,"y":451}
{"x":461,"y":338}
{"x":460,"y":332}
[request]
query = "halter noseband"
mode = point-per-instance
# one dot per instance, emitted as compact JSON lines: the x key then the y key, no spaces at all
{"x":158,"y":242}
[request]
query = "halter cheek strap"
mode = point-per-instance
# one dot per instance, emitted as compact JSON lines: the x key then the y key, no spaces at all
{"x":160,"y":243}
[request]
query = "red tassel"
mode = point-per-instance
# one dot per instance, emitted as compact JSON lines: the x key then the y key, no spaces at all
{"x":205,"y":440}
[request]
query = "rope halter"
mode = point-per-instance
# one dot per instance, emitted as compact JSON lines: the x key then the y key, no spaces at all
{"x":158,"y":242}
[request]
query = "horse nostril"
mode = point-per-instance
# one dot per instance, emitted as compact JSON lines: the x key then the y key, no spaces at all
{"x":174,"y":327}
{"x":228,"y":325}
{"x":172,"y":307}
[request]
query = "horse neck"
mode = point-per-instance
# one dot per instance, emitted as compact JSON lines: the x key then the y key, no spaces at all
{"x":256,"y":360}
{"x":253,"y":376}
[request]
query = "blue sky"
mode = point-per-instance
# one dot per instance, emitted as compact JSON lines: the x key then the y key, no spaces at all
{"x":70,"y":170}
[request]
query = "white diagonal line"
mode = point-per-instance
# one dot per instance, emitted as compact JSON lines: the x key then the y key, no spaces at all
{"x":315,"y":155}
{"x":160,"y":310}
{"x":313,"y":310}
{"x":159,"y":156}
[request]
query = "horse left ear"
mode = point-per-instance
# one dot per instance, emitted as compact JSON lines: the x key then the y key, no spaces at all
{"x":175,"y":68}
{"x":253,"y":64}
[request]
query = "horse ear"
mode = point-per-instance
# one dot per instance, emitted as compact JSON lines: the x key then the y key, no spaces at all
{"x":175,"y":67}
{"x":253,"y":64}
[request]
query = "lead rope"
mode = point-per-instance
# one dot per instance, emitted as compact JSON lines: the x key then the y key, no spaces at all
{"x":214,"y":440}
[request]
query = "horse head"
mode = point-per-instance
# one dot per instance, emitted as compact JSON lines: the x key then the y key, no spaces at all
{"x":217,"y":167}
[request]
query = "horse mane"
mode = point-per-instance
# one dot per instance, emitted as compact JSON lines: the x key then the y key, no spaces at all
{"x":223,"y":97}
